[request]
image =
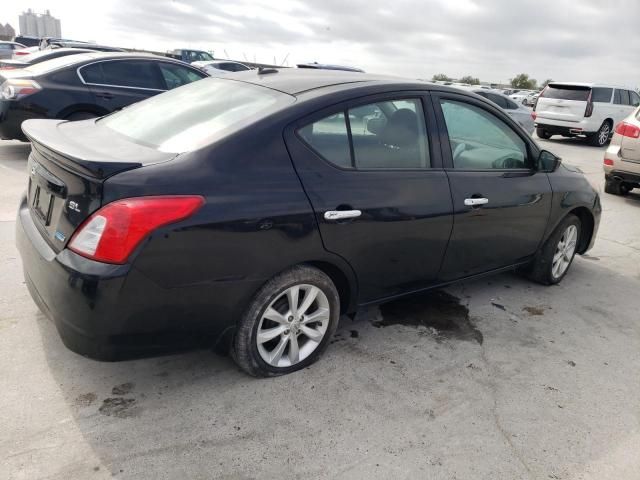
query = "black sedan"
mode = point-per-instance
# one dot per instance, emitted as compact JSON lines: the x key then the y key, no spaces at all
{"x":261,"y":207}
{"x":85,"y":85}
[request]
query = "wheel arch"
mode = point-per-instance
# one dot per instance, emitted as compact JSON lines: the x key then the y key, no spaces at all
{"x":81,"y":107}
{"x":346,"y":287}
{"x":587,"y":222}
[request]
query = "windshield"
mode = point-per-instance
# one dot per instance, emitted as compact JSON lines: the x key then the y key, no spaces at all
{"x":192,"y":116}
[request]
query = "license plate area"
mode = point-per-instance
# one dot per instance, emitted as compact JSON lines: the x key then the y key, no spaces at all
{"x":42,"y":204}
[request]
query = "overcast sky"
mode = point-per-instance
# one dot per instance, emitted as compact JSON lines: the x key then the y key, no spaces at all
{"x":582,"y":40}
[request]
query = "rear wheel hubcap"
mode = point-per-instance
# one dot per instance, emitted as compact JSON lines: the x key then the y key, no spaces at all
{"x":604,"y":134}
{"x":293,"y":325}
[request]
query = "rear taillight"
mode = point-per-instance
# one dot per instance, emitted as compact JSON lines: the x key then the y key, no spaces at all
{"x":589,"y":110}
{"x":535,"y":105}
{"x":17,"y":88}
{"x":534,"y":115}
{"x":21,"y":52}
{"x":628,"y":130}
{"x":608,"y":161}
{"x":112,"y":233}
{"x":7,"y":67}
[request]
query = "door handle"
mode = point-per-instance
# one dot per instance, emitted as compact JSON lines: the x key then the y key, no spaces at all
{"x":474,"y":202}
{"x":333,"y":215}
{"x":105,"y":95}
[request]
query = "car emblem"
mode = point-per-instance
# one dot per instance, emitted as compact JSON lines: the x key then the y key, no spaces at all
{"x":73,"y":206}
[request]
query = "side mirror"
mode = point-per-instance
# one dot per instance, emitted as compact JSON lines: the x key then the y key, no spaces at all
{"x":548,"y":162}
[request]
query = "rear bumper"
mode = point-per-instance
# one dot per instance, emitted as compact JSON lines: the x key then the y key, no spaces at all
{"x":560,"y":127}
{"x":11,"y":117}
{"x":623,"y":176}
{"x":114,"y":312}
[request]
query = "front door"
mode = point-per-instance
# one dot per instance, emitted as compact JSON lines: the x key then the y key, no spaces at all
{"x":501,"y":203}
{"x":373,"y":174}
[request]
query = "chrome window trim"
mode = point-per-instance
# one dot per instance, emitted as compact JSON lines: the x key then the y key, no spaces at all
{"x":124,"y":86}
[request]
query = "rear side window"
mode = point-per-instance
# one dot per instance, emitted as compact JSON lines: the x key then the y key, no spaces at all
{"x":621,"y":97}
{"x":124,"y":73}
{"x":498,"y":100}
{"x":567,"y":92}
{"x":479,"y":140}
{"x":381,"y":135}
{"x":176,"y":75}
{"x":635,"y":98}
{"x":601,"y":95}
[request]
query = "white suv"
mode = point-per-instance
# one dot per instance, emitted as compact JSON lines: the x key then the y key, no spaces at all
{"x":587,"y":109}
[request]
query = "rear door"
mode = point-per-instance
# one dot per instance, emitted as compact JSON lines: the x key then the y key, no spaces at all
{"x":625,"y":102}
{"x":501,"y":204}
{"x":567,"y":103}
{"x":372,"y":171}
{"x":118,"y":83}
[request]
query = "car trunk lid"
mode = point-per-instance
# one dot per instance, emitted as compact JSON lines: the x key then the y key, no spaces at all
{"x":67,"y":167}
{"x":563,"y":102}
{"x":630,"y":145}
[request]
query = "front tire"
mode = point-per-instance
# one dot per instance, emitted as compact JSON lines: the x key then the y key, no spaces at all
{"x":288,"y":324}
{"x":554,"y":259}
{"x":542,"y":133}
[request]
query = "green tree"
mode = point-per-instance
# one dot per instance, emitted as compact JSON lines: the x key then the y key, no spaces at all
{"x":441,"y":77}
{"x":471,"y":80}
{"x":524,"y":82}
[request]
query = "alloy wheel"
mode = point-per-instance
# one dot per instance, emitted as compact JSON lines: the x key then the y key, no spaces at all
{"x":293,"y":325}
{"x":603,"y":134}
{"x":564,"y":251}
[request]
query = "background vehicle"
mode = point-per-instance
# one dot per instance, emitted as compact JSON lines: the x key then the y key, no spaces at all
{"x":530,"y":100}
{"x":45,"y":42}
{"x":520,"y":96}
{"x":325,"y":66}
{"x":149,"y":224}
{"x":622,"y":157}
{"x":220,"y":67}
{"x":85,"y":85}
{"x":7,"y":49}
{"x":27,"y":41}
{"x":190,"y":56}
{"x":83,"y":45}
{"x":40,"y":56}
{"x":517,"y":111}
{"x":583,"y":109}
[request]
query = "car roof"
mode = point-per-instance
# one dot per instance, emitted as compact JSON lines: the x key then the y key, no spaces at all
{"x":294,"y":81}
{"x":328,"y":66}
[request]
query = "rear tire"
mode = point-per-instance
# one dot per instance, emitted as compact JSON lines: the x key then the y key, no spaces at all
{"x":601,"y":137}
{"x":273,"y":338}
{"x":556,"y":255}
{"x":542,"y":133}
{"x":615,"y":187}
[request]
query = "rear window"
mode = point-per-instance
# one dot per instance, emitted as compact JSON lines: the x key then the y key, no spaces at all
{"x":195,"y":115}
{"x":567,"y":92}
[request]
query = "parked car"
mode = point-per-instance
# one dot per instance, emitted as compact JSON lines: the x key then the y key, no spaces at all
{"x":326,"y":66}
{"x":518,"y":112}
{"x":530,"y":100}
{"x":622,"y":157}
{"x":85,"y":85}
{"x":40,"y":56}
{"x":190,"y":56}
{"x":27,"y":40}
{"x":583,"y":109}
{"x":221,"y":67}
{"x":84,"y":45}
{"x":45,"y":42}
{"x":7,"y":49}
{"x":521,"y":96}
{"x":251,"y":208}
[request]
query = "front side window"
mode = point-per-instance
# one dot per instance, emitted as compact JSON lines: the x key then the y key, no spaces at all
{"x":176,"y":75}
{"x":383,"y":135}
{"x":479,"y":140}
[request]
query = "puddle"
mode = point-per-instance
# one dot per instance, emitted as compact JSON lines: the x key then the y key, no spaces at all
{"x":437,"y":310}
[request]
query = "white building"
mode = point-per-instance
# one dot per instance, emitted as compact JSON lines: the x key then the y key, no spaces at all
{"x":39,"y":25}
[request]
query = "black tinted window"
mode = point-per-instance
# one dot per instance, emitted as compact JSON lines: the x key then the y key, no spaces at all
{"x":498,"y":100}
{"x":635,"y":99}
{"x":329,"y":137}
{"x":567,"y":92}
{"x":124,"y":73}
{"x":176,"y":75}
{"x":602,"y":95}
